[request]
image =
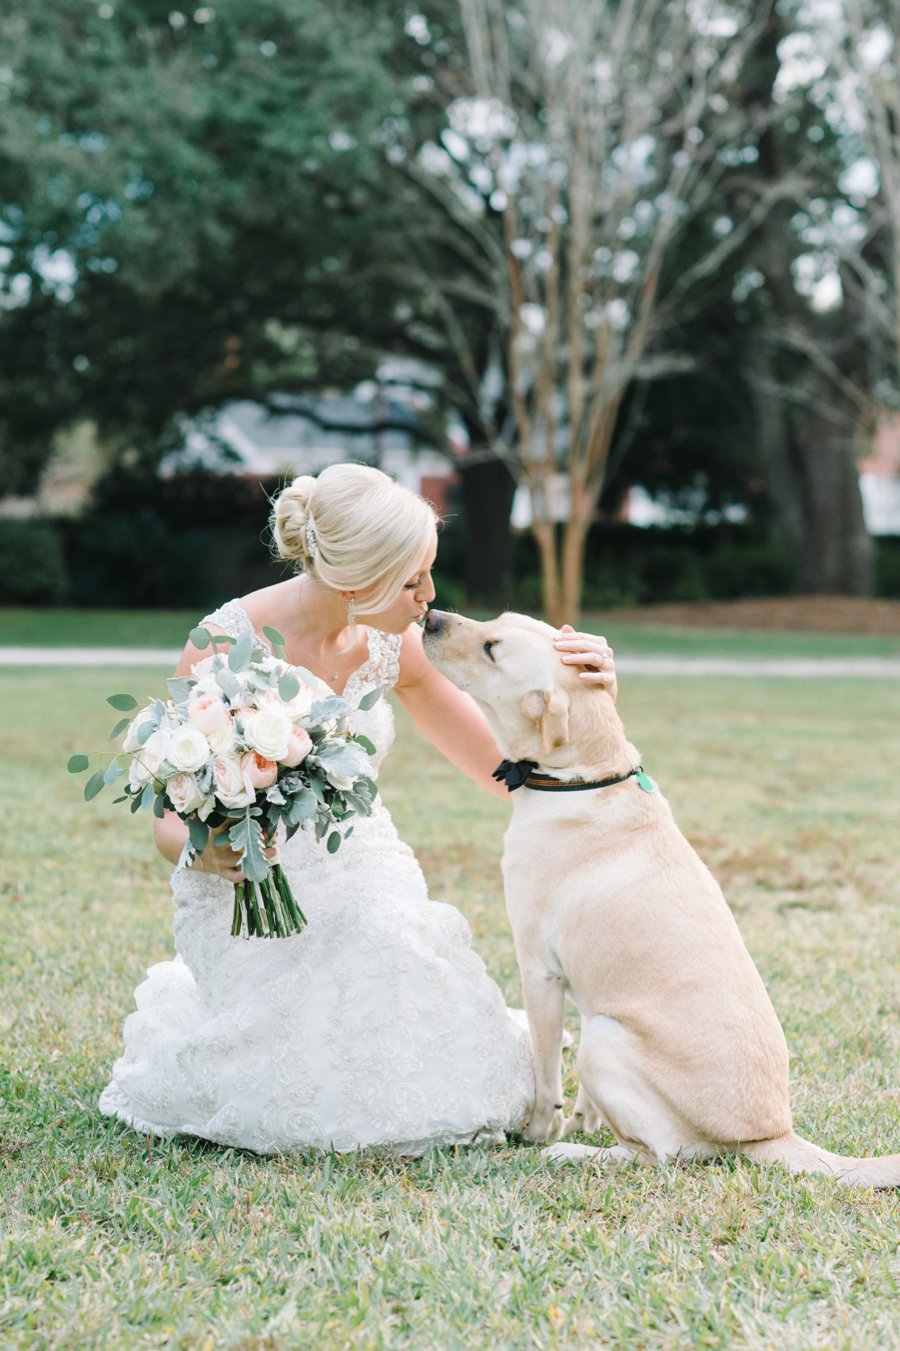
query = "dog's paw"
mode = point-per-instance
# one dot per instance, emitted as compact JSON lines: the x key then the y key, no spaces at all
{"x":544,"y":1125}
{"x":563,"y":1153}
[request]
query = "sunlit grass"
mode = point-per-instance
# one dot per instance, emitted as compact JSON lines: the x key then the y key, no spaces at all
{"x":789,"y":789}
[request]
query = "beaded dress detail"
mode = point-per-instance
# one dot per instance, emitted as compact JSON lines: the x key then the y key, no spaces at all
{"x":377,"y":1025}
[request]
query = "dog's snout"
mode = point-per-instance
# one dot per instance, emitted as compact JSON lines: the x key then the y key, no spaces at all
{"x":434,"y":621}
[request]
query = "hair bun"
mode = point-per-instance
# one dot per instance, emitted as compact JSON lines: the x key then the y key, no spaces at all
{"x":289,"y":518}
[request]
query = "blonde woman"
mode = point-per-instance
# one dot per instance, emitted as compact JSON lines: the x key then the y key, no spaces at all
{"x":377,"y":1025}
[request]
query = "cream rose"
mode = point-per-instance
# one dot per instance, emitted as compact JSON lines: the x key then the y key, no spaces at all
{"x":268,"y":732}
{"x":258,"y":771}
{"x":299,"y":747}
{"x":222,"y":740}
{"x":184,"y":794}
{"x":231,"y":787}
{"x":208,"y":714}
{"x":188,"y":750}
{"x":147,"y":759}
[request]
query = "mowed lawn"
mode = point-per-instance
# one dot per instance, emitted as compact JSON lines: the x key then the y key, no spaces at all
{"x":791,"y":791}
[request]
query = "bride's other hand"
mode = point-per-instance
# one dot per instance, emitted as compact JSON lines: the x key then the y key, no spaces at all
{"x":591,"y":652}
{"x":221,"y":860}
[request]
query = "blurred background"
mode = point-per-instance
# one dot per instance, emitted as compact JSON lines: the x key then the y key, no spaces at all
{"x":615,"y":283}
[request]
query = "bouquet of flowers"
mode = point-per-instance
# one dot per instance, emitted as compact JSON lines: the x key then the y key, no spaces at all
{"x":244,"y":744}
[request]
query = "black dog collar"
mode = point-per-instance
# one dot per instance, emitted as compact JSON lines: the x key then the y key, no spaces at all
{"x":520,"y":774}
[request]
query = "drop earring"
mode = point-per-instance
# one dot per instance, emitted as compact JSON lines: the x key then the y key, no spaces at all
{"x":351,"y":614}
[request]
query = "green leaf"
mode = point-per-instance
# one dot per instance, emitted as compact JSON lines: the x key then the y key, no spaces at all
{"x":288,"y":686}
{"x":333,"y":843}
{"x":123,"y":798}
{"x":200,"y":637}
{"x":239,"y":655}
{"x":145,"y":731}
{"x":159,"y":806}
{"x":78,"y":763}
{"x":122,"y":702}
{"x":222,"y":639}
{"x":367,"y":745}
{"x":199,"y":833}
{"x":227,"y":682}
{"x":369,"y":700}
{"x":119,"y":728}
{"x":274,"y":637}
{"x":146,"y":798}
{"x":136,"y":803}
{"x":179,"y":688}
{"x":247,"y":837}
{"x":112,"y":772}
{"x":94,"y":785}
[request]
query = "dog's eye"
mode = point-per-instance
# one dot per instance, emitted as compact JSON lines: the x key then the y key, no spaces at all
{"x":489,"y":648}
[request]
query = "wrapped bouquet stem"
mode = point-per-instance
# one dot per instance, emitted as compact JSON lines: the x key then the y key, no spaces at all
{"x":243,"y":747}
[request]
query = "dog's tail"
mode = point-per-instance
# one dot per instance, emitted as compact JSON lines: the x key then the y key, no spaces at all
{"x":800,"y":1156}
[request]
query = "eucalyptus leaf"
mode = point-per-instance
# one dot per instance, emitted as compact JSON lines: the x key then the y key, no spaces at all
{"x":223,"y":640}
{"x":274,"y":637}
{"x":333,"y":843}
{"x":123,"y":798}
{"x":119,"y":728}
{"x":94,"y":785}
{"x":367,"y":745}
{"x":146,"y":730}
{"x":240,"y":654}
{"x":288,"y":686}
{"x":159,"y":806}
{"x":136,"y":802}
{"x":78,"y":763}
{"x":370,"y":700}
{"x":200,"y":637}
{"x":112,"y":772}
{"x":146,"y":798}
{"x":123,"y":702}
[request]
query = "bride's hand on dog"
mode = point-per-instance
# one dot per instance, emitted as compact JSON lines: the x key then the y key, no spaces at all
{"x":591,"y":652}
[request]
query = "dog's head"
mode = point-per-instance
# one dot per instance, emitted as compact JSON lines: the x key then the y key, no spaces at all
{"x":536,"y":705}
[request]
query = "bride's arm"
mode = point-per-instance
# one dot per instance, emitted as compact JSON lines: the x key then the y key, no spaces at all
{"x":450,"y":719}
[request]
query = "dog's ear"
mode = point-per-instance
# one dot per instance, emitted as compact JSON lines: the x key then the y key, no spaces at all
{"x":550,"y":710}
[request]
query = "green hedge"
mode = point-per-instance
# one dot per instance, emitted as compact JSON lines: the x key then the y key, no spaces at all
{"x":32,"y":564}
{"x":195,"y":539}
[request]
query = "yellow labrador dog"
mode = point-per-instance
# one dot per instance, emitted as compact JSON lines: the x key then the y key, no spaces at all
{"x":681,"y":1053}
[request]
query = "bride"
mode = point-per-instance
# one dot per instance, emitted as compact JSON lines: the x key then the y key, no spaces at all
{"x":377,"y":1025}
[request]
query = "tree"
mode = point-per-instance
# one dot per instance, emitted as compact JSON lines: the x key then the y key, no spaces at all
{"x":593,"y":133}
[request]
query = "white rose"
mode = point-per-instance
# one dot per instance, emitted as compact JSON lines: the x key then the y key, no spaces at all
{"x":222,"y":740}
{"x":131,"y":742}
{"x":183,"y":793}
{"x":188,"y":749}
{"x":232,"y":788}
{"x":298,"y":707}
{"x":268,"y":732}
{"x":342,"y":781}
{"x":147,"y":759}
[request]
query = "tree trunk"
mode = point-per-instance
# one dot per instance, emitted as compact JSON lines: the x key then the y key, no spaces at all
{"x":551,"y":591}
{"x":575,"y":534}
{"x":487,"y":494}
{"x":837,"y":557}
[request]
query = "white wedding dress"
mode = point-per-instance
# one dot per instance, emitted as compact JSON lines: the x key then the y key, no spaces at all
{"x":377,"y":1025}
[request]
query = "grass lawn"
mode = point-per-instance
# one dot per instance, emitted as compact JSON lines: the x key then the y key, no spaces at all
{"x":169,"y":628}
{"x":789,"y":789}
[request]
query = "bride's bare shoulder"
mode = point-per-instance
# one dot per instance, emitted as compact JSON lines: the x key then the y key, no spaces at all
{"x":269,"y":603}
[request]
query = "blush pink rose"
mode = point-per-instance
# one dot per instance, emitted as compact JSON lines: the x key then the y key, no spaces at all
{"x":299,"y":747}
{"x":232,"y":790}
{"x":257,"y":770}
{"x":208,"y":714}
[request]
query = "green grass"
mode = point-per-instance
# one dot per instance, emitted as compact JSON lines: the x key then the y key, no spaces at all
{"x":169,"y":628}
{"x":789,"y":789}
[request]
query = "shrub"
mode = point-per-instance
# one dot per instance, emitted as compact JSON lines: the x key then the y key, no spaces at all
{"x":32,"y":564}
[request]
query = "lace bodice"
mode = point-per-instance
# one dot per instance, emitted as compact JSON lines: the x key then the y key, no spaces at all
{"x":380,"y":670}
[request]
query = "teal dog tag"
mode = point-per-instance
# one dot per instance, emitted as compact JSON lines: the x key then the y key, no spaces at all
{"x":645,"y":782}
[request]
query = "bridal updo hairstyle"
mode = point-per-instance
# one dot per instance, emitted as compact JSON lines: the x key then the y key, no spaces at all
{"x":352,"y":528}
